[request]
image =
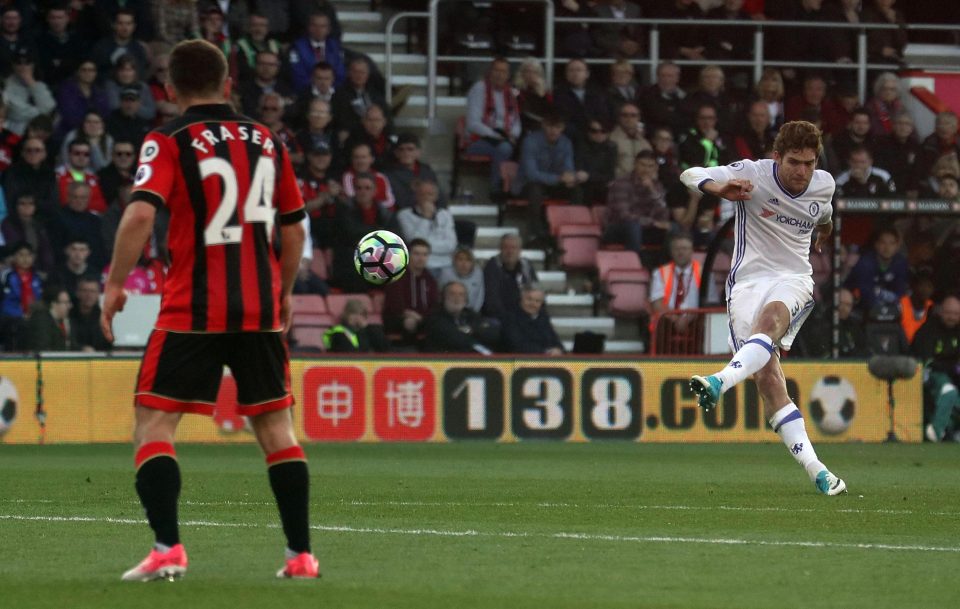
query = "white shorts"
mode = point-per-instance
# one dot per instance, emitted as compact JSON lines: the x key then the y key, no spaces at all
{"x":748,"y":299}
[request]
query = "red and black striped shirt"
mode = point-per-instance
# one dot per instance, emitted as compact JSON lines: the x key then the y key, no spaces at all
{"x":226,"y":181}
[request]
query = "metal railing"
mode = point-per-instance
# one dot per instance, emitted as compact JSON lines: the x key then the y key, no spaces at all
{"x":388,"y":51}
{"x":758,"y":62}
{"x":433,"y":57}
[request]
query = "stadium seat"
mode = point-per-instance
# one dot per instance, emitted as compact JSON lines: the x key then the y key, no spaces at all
{"x":308,"y":304}
{"x":628,"y":292}
{"x":559,"y":215}
{"x":336,"y":303}
{"x":577,"y":245}
{"x":621,"y":260}
{"x":307,"y":338}
{"x":460,"y":143}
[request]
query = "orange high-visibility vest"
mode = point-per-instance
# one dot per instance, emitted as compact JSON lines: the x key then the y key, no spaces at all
{"x":908,"y":322}
{"x":667,"y":273}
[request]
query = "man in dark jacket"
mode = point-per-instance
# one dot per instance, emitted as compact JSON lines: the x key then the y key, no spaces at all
{"x":577,"y":102}
{"x":453,"y":328}
{"x":502,"y":277}
{"x":528,"y":329}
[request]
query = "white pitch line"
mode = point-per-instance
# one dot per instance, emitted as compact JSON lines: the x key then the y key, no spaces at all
{"x":546,"y":505}
{"x":512,"y":534}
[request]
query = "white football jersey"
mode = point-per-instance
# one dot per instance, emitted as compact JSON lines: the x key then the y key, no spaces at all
{"x":772,"y":230}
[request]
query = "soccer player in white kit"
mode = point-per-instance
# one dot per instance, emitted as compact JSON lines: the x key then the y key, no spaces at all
{"x":780,"y":203}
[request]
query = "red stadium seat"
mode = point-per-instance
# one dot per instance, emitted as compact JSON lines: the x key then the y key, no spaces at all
{"x":308,"y":304}
{"x":307,"y":337}
{"x":628,"y":292}
{"x":622,"y":260}
{"x":558,"y":215}
{"x":578,"y":245}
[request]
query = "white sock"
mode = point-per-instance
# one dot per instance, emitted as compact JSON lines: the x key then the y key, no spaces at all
{"x":752,"y":356}
{"x":288,"y":553}
{"x":163,"y":549}
{"x":788,"y":423}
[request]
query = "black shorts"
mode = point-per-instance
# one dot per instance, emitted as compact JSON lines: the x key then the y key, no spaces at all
{"x":181,"y":372}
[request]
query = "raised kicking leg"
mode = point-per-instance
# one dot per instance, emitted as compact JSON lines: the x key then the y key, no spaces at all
{"x":751,"y":357}
{"x":787,"y":422}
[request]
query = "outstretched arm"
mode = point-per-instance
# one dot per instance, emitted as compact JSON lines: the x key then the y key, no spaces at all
{"x":717,"y":181}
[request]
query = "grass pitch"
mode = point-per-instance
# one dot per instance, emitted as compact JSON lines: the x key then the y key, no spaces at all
{"x":488,"y":525}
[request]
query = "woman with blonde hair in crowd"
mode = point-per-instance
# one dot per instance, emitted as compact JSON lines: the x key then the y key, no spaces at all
{"x":532,"y":94}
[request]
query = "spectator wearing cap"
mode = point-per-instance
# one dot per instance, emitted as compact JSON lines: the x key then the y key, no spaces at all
{"x":25,"y":96}
{"x":317,"y":45}
{"x":213,"y":30}
{"x":109,"y":49}
{"x":124,"y":78}
{"x":76,"y":168}
{"x":320,"y":193}
{"x":376,"y":133}
{"x":266,"y":78}
{"x":60,"y":48}
{"x":127,"y":122}
{"x":407,"y":168}
{"x":428,"y":222}
{"x":79,"y":94}
{"x":319,"y":129}
{"x":234,"y":13}
{"x":13,"y":40}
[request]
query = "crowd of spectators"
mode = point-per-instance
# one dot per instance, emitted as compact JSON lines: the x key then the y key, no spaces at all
{"x":84,"y":82}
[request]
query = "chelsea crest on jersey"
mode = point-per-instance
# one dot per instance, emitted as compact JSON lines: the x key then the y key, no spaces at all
{"x":773,"y":229}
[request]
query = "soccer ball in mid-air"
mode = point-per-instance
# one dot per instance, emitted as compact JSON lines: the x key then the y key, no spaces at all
{"x":833,"y":401}
{"x":381,"y":257}
{"x":8,"y":404}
